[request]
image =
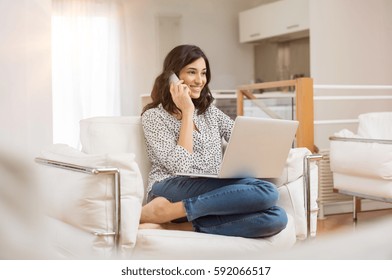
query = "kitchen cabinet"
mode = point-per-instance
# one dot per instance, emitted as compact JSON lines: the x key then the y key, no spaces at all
{"x":283,"y":19}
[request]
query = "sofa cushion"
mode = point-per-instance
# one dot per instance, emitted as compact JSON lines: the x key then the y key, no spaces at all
{"x":116,"y":135}
{"x":187,"y":245}
{"x":293,"y":168}
{"x":360,"y":185}
{"x":376,"y":125}
{"x":86,"y":201}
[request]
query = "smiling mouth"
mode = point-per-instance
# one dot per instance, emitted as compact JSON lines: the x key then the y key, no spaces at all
{"x":196,"y":88}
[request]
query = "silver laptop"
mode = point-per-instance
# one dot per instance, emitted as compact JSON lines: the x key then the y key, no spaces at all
{"x":258,"y":148}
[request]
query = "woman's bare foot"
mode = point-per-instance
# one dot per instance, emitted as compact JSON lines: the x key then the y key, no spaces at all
{"x":187,"y":226}
{"x":160,"y":211}
{"x":171,"y":226}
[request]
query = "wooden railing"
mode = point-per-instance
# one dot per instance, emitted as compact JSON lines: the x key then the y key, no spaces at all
{"x":303,"y":103}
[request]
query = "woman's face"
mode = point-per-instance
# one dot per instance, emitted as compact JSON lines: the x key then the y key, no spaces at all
{"x":194,"y":76}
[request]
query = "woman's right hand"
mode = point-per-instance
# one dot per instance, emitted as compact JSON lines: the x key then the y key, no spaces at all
{"x":181,"y":97}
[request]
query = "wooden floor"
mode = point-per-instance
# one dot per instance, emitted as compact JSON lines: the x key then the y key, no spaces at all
{"x":340,"y":222}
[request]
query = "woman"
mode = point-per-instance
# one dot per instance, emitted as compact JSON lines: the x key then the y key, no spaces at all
{"x":183,"y":132}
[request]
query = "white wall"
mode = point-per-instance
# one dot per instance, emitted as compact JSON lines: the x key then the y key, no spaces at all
{"x":212,"y":25}
{"x":350,"y":44}
{"x":351,"y":41}
{"x":25,"y":71}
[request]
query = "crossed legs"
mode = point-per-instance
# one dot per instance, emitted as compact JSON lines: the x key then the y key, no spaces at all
{"x":239,"y":207}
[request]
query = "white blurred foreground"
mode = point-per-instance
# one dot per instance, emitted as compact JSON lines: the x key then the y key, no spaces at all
{"x":24,"y":234}
{"x":22,"y":227}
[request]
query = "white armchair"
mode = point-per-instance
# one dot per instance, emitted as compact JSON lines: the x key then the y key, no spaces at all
{"x":98,"y":207}
{"x":362,"y":163}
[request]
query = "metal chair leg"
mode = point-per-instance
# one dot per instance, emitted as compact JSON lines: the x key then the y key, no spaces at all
{"x":356,"y":208}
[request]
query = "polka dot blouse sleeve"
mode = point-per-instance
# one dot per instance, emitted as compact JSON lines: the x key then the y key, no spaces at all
{"x":225,"y":123}
{"x":161,"y":140}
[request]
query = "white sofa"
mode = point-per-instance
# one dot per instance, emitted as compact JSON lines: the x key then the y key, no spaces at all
{"x":361,"y":162}
{"x":82,"y":205}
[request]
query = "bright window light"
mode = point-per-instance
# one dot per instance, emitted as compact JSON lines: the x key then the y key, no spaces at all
{"x":85,"y":72}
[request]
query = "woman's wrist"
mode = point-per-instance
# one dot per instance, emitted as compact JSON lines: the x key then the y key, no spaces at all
{"x":188,"y":113}
{"x":186,"y":131}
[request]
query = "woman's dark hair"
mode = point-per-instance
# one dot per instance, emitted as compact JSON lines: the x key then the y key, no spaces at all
{"x":175,"y":60}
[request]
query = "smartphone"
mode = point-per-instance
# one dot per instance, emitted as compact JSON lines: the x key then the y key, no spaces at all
{"x":173,"y":78}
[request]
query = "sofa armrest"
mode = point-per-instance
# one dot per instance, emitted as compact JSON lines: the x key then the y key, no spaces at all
{"x":95,"y":171}
{"x":97,"y":193}
{"x":300,"y":179}
{"x":360,"y":140}
{"x":308,"y":159}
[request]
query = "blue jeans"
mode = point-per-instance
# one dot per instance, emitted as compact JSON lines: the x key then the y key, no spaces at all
{"x":234,"y":207}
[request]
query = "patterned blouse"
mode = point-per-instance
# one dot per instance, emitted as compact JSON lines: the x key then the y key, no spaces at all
{"x":161,"y":132}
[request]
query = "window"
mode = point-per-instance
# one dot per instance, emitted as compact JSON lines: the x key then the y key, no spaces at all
{"x":85,"y":64}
